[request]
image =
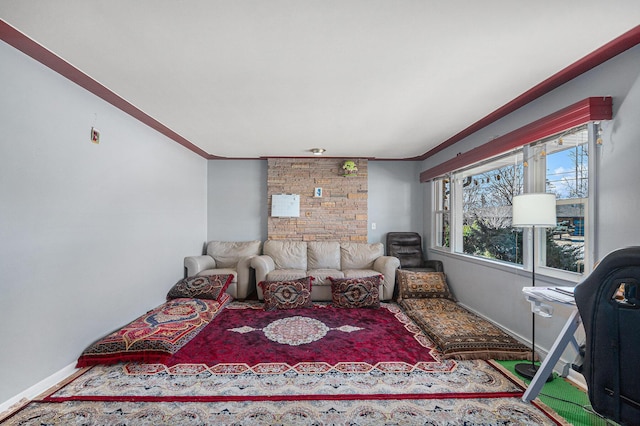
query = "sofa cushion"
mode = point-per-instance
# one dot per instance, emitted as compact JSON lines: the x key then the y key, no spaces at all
{"x":288,"y":294}
{"x":201,"y":287}
{"x":286,"y":274}
{"x":221,"y":271}
{"x":360,"y":273}
{"x":287,"y":254}
{"x":323,"y":255}
{"x":356,"y":292}
{"x":321,"y":276}
{"x":359,"y":255}
{"x":227,"y":254}
{"x":418,"y":285}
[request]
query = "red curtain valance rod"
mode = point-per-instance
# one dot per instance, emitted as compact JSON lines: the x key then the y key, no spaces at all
{"x":590,"y":109}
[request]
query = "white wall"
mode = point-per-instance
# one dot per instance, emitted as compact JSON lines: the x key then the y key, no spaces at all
{"x":238,"y":205}
{"x":91,"y":236}
{"x":395,"y":198}
{"x":237,"y":200}
{"x":496,"y":291}
{"x":618,"y":190}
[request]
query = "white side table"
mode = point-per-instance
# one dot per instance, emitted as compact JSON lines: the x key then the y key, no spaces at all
{"x":540,"y":298}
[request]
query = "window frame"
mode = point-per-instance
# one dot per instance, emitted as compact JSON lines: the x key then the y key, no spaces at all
{"x":441,"y":213}
{"x":534,"y":181}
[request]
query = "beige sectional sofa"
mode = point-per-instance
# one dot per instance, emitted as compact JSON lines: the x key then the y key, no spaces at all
{"x":287,"y":260}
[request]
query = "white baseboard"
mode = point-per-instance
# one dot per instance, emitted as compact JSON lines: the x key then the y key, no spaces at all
{"x":39,"y":387}
{"x":577,"y":379}
{"x":562,"y":367}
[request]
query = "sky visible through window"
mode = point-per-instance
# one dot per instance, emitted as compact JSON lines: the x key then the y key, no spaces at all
{"x":561,"y":172}
{"x":558,"y":167}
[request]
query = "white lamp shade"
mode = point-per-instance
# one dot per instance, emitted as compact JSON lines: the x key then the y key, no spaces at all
{"x":538,"y":209}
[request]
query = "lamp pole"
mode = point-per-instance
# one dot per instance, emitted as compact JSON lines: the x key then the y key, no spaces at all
{"x":531,"y":210}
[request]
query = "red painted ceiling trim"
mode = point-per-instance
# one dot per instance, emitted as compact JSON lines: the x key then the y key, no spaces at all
{"x":31,"y":48}
{"x":36,"y":51}
{"x":590,"y":109}
{"x":626,"y":41}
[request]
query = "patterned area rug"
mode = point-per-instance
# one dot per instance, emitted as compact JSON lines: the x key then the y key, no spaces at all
{"x":314,"y":339}
{"x":139,"y":384}
{"x":409,"y":384}
{"x":478,"y":411}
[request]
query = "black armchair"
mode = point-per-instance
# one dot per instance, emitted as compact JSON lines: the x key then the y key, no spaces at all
{"x":609,"y":304}
{"x":407,"y":246}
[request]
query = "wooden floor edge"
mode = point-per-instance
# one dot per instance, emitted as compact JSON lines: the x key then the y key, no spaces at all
{"x":19,"y":405}
{"x":14,"y":409}
{"x":53,"y":389}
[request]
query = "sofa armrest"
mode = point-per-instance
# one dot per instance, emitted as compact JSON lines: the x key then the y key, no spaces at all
{"x":262,"y":264}
{"x":196,"y":264}
{"x":387,"y":266}
{"x":243,"y":270}
{"x":434,"y":264}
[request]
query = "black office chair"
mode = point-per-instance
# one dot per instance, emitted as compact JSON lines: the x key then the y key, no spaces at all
{"x":609,"y":305}
{"x":407,"y":246}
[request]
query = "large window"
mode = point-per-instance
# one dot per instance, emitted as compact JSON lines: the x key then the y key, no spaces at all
{"x":473,"y":206}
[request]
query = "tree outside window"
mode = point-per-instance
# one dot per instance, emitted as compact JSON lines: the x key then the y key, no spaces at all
{"x":487,"y":206}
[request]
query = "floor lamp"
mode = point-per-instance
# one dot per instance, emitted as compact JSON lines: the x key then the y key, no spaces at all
{"x":531,"y":211}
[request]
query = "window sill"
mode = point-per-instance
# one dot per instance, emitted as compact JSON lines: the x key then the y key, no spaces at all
{"x":547,"y":275}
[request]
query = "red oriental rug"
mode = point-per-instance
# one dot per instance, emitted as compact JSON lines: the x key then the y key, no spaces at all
{"x":312,"y":339}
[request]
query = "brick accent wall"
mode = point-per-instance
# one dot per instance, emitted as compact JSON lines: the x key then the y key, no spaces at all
{"x":339,"y":215}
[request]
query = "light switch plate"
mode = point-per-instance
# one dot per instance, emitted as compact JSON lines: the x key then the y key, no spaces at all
{"x":95,"y":135}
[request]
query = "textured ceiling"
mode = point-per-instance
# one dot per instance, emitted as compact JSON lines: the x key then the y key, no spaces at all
{"x":261,"y":78}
